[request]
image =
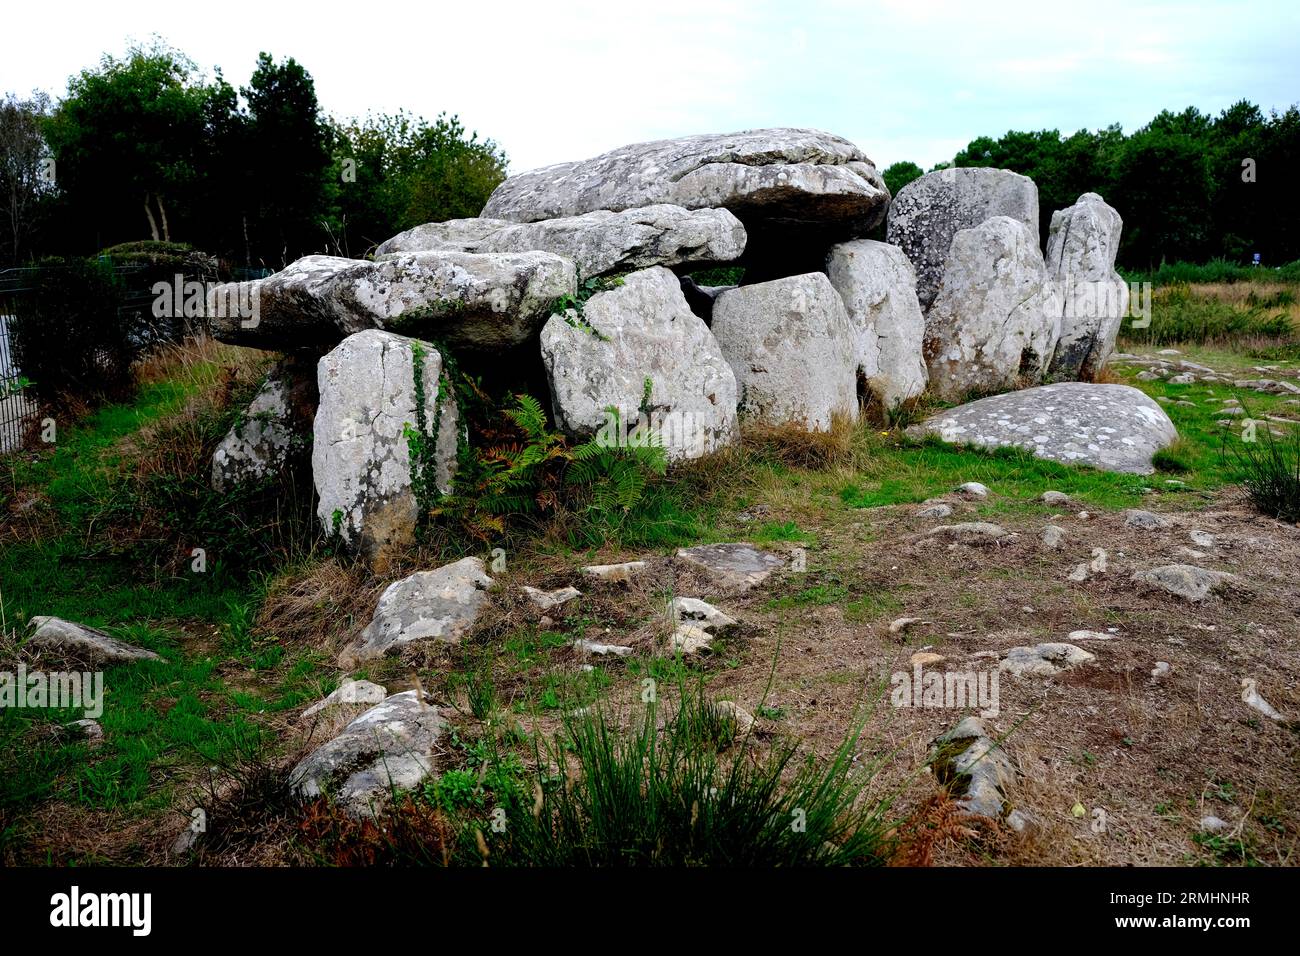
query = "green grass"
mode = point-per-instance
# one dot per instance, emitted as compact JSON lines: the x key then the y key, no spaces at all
{"x":72,"y":474}
{"x":162,"y":719}
{"x":829,"y":593}
{"x":908,"y":473}
{"x":158,"y":716}
{"x":1216,"y":270}
{"x":662,"y":794}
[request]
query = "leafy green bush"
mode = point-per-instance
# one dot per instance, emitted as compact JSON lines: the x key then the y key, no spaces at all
{"x":69,"y":335}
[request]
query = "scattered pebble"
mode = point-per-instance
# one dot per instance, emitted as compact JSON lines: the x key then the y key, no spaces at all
{"x":1251,"y":696}
{"x":935,"y":511}
{"x":1146,"y":520}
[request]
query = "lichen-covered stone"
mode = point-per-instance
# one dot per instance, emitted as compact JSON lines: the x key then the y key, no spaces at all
{"x":878,"y":286}
{"x":1081,"y":249}
{"x":274,"y":428}
{"x":739,"y":566}
{"x":438,"y":605}
{"x":361,"y":457}
{"x":599,"y":243}
{"x":796,"y":191}
{"x":928,"y":212}
{"x":480,"y":302}
{"x":390,"y":747}
{"x":994,"y":322}
{"x":1110,"y":427}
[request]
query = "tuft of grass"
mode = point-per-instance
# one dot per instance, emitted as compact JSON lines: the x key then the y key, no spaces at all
{"x":1176,"y":459}
{"x":1271,"y":471}
{"x":796,"y":446}
{"x":663,"y":794}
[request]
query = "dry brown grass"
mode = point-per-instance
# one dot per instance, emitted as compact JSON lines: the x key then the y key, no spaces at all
{"x":1245,"y":294}
{"x":795,"y":446}
{"x":196,"y":360}
{"x":321,"y":606}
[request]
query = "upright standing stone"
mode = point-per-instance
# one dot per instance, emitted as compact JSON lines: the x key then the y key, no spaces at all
{"x":637,"y":347}
{"x":370,"y":407}
{"x":272,"y":431}
{"x":1081,"y":251}
{"x":928,"y":212}
{"x":878,"y":287}
{"x":995,"y":322}
{"x":791,"y":346}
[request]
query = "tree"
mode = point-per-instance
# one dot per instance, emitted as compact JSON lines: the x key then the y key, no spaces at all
{"x":24,"y":172}
{"x":1163,"y":191}
{"x":130,"y":134}
{"x":898,"y":175}
{"x":287,"y":156}
{"x":407,"y":171}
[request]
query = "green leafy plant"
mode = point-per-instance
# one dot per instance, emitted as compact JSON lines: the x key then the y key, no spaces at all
{"x":613,"y":477}
{"x":573,"y":307}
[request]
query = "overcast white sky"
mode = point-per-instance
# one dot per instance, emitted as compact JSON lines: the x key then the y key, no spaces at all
{"x":904,"y":79}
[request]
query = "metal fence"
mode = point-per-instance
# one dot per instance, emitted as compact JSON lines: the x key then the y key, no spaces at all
{"x":18,"y":408}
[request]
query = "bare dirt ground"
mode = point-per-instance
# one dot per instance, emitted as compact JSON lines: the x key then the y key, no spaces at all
{"x":1155,"y":755}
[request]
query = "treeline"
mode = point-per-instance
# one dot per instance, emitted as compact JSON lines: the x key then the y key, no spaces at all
{"x":145,"y":147}
{"x":1190,"y":186}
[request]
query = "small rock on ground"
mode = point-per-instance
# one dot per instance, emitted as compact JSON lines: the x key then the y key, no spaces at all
{"x":1043,"y":660}
{"x":935,"y":511}
{"x":739,"y":566}
{"x":971,"y":532}
{"x":1146,"y":520}
{"x":56,"y":637}
{"x":1184,"y":580}
{"x":615,"y":572}
{"x":549,"y":599}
